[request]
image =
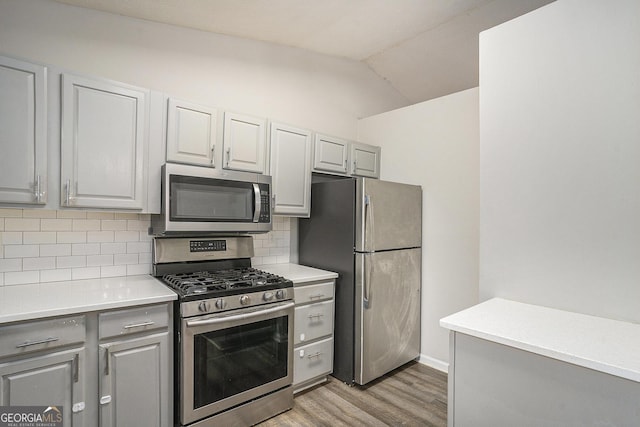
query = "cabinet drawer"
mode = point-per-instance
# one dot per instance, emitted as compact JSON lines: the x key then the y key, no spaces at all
{"x":313,"y":321}
{"x":312,"y":360}
{"x":132,"y":320}
{"x":41,"y":334}
{"x":313,"y":293}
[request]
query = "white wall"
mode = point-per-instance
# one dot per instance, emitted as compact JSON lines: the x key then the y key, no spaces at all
{"x":435,"y":144}
{"x":560,"y":158}
{"x":295,"y":86}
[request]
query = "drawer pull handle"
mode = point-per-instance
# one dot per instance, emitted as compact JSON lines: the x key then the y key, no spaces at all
{"x":139,"y":325}
{"x":316,"y":354}
{"x":44,"y":341}
{"x":318,"y":296}
{"x":318,"y":316}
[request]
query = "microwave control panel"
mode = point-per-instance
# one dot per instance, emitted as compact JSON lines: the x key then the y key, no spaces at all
{"x":265,"y":204}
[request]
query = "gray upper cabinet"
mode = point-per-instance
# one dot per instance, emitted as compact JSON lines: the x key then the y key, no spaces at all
{"x":104,"y":144}
{"x":244,"y":143}
{"x":365,"y":160}
{"x":191,"y":133}
{"x":23,"y":132}
{"x":330,"y":154}
{"x":291,"y":170}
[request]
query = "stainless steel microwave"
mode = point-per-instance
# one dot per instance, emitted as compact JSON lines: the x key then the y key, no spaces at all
{"x":201,"y":200}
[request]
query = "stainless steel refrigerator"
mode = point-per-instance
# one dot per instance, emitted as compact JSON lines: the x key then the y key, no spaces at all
{"x":370,"y":233}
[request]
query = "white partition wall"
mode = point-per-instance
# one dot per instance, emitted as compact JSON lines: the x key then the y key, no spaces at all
{"x":560,"y":158}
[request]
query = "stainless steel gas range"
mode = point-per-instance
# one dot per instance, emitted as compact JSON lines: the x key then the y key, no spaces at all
{"x":234,"y":332}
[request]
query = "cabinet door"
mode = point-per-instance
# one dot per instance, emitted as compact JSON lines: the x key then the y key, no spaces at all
{"x":54,"y":379}
{"x":134,"y":382}
{"x":23,"y":132}
{"x":191,"y":133}
{"x":244,"y":143}
{"x":291,"y":170}
{"x":365,"y":160}
{"x":330,"y":154}
{"x":104,"y":144}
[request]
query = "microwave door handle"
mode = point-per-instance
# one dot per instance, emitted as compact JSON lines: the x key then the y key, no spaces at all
{"x":257,"y":203}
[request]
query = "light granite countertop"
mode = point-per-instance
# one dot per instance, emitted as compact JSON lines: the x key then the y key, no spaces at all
{"x":39,"y":300}
{"x":605,"y":345}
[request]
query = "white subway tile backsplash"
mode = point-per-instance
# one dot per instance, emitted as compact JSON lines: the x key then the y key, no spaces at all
{"x":138,"y":247}
{"x":114,"y":225}
{"x":49,"y":246}
{"x":144,"y":258}
{"x":127,"y":236}
{"x":85,"y":249}
{"x":22,"y":277}
{"x":126,"y":215}
{"x":71,"y":214}
{"x":11,"y":213}
{"x":56,"y":224}
{"x":10,"y":265}
{"x":136,"y":225}
{"x":38,"y":237}
{"x":71,"y":237}
{"x":57,"y":275}
{"x":62,"y":249}
{"x":100,"y":236}
{"x":86,"y":225}
{"x":40,"y":263}
{"x":113,"y":271}
{"x":124,"y":259}
{"x":99,"y":260}
{"x":11,"y":237}
{"x":85,"y":273}
{"x":101,"y":215}
{"x":133,"y":270}
{"x":38,"y":213}
{"x":71,"y":261}
{"x":21,"y":251}
{"x":21,"y":224}
{"x":113,"y":248}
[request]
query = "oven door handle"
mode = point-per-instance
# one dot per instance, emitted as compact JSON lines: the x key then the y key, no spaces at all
{"x":215,"y":320}
{"x":257,"y":202}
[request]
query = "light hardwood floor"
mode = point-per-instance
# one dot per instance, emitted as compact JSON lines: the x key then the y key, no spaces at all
{"x":412,"y":395}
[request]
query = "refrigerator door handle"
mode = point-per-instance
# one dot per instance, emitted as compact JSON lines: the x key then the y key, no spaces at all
{"x":369,"y":225}
{"x":367,"y":280}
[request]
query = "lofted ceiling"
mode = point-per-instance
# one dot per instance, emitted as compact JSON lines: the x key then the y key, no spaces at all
{"x":423,"y":48}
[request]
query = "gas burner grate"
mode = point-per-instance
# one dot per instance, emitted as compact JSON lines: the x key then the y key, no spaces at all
{"x":220,"y":281}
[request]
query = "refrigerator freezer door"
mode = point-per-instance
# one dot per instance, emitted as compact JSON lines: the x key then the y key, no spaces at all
{"x":387,"y":311}
{"x":388,"y":215}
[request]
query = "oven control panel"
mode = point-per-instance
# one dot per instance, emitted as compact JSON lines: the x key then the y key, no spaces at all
{"x":207,"y":245}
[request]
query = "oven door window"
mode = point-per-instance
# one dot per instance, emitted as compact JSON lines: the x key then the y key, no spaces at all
{"x":210,"y":200}
{"x":230,"y":361}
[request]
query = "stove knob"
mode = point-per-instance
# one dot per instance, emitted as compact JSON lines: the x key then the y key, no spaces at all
{"x":204,"y":306}
{"x":268,"y":296}
{"x":244,"y":300}
{"x":220,"y":304}
{"x":280,"y":294}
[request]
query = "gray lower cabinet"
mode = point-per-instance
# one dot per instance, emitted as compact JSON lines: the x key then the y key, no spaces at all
{"x":42,"y":363}
{"x":111,"y":368}
{"x":313,"y":333}
{"x":133,"y":368}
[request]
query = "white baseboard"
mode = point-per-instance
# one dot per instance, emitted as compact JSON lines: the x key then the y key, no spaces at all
{"x":434,"y":363}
